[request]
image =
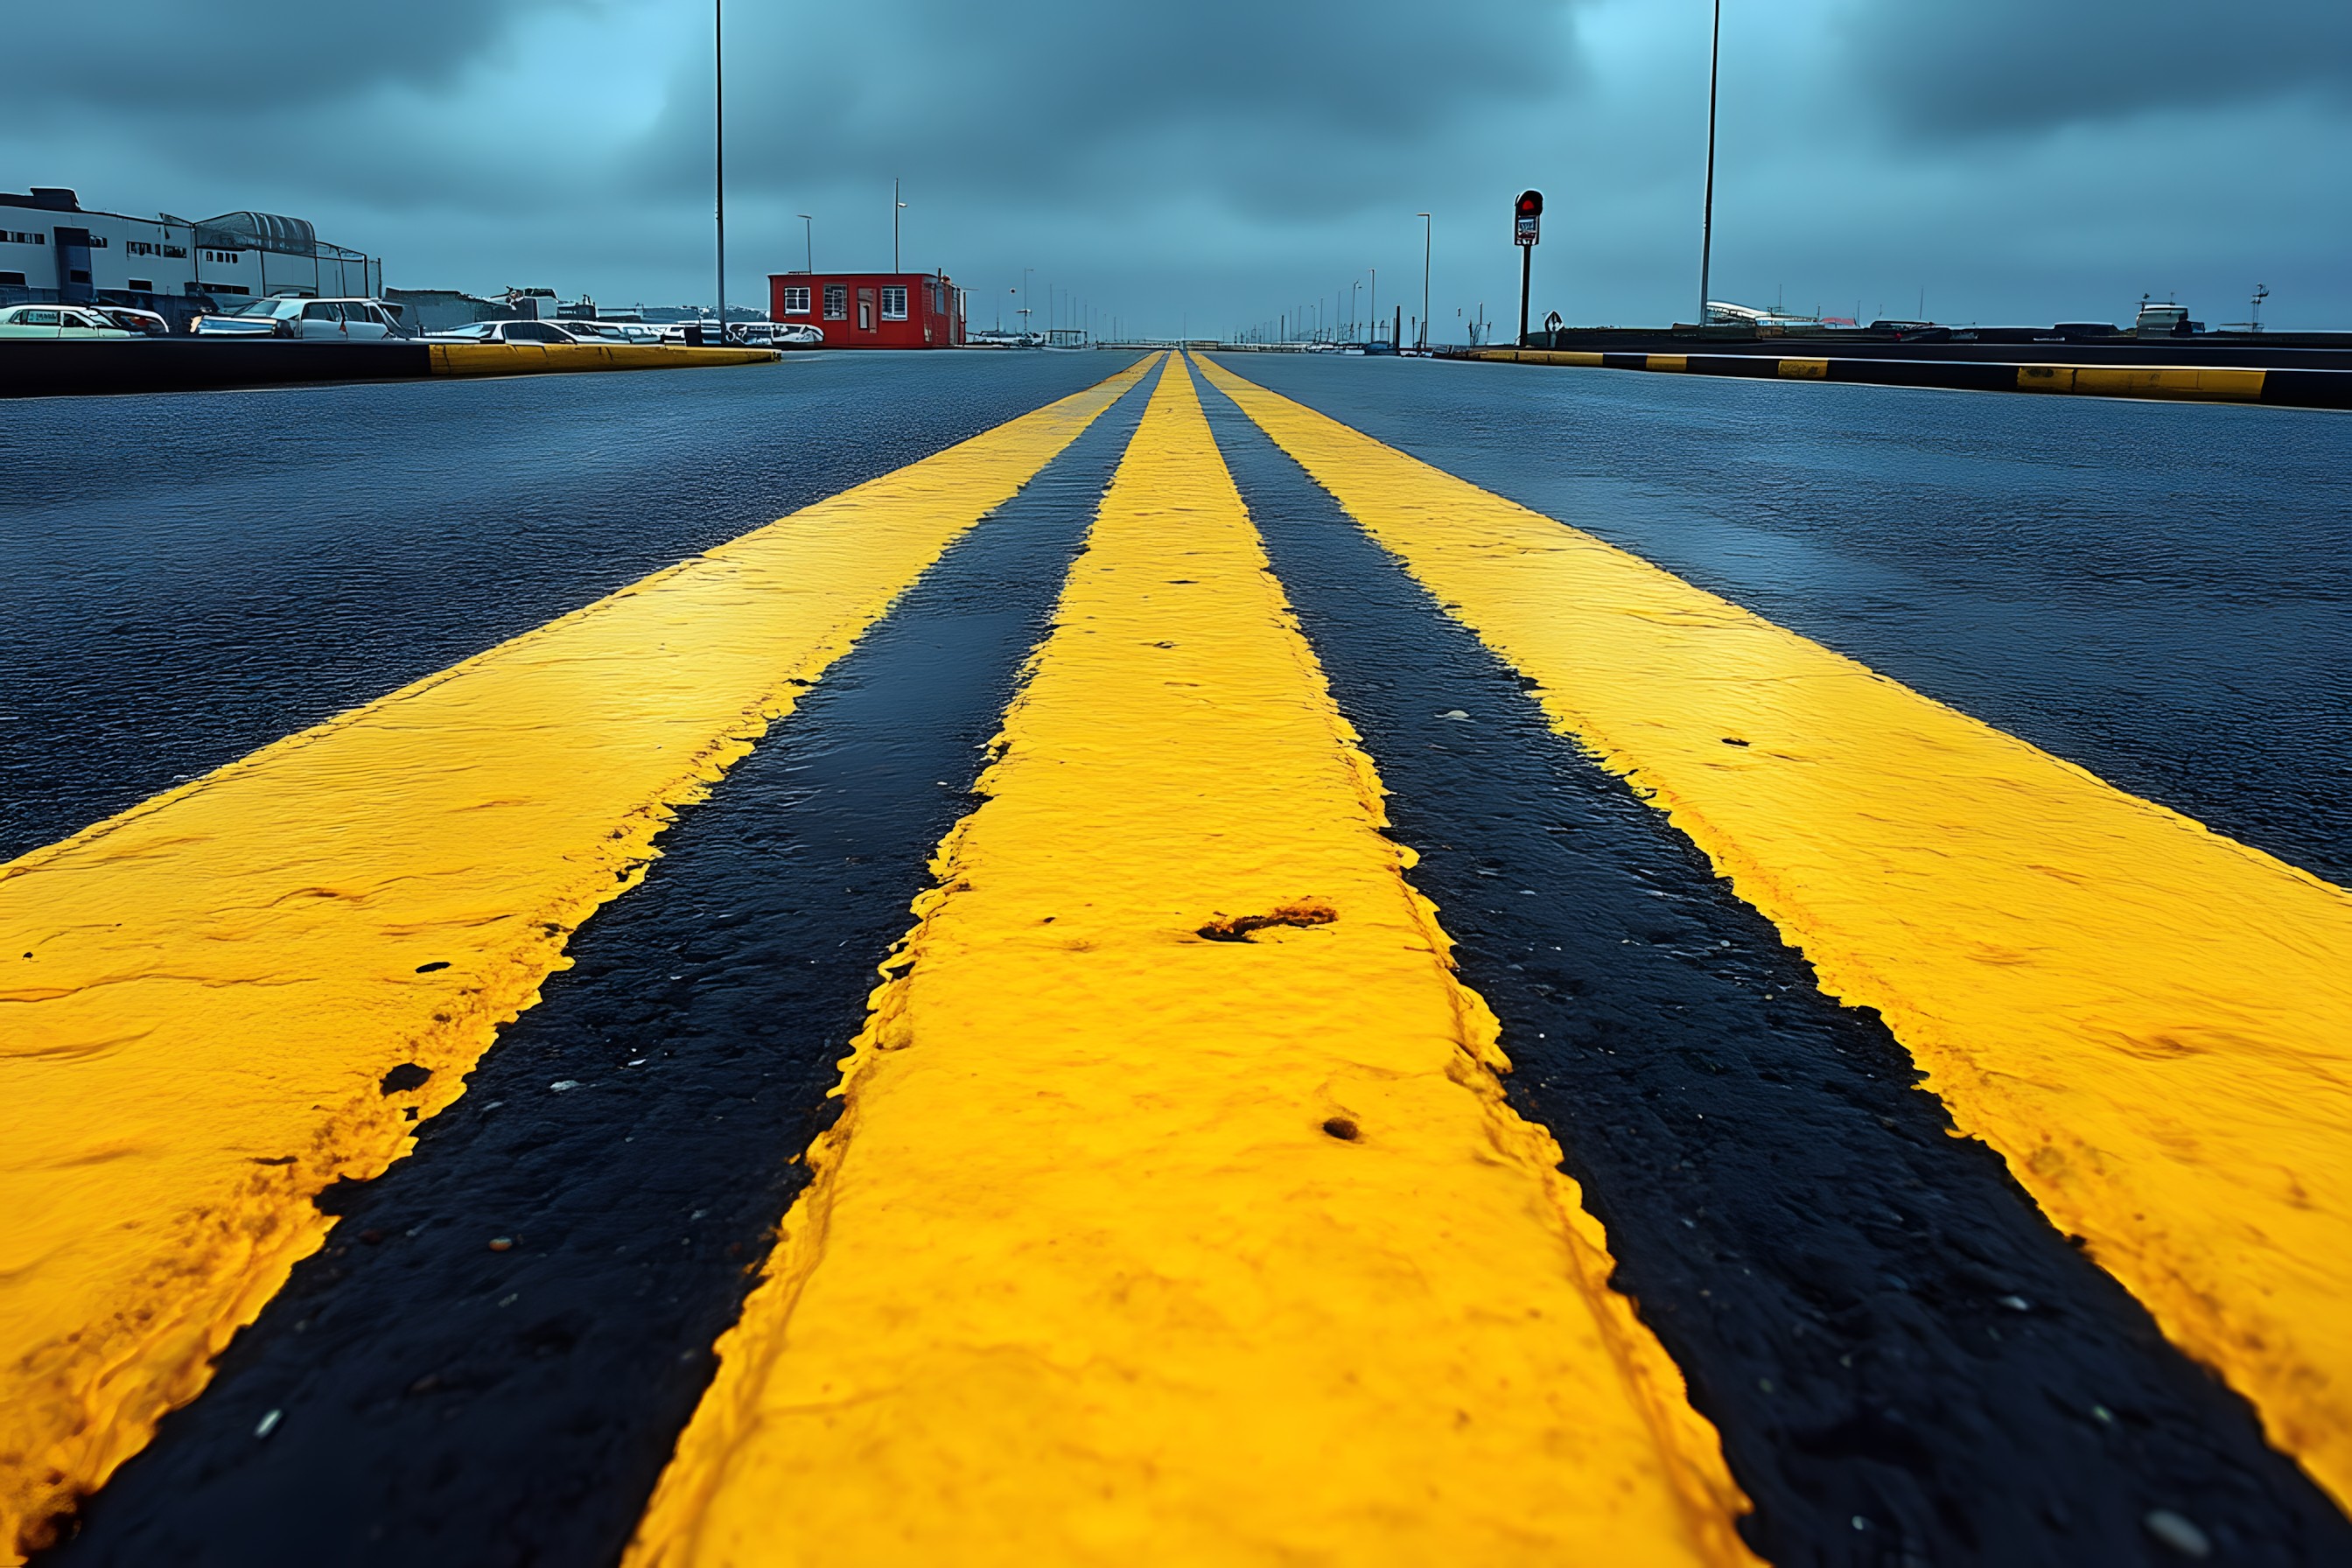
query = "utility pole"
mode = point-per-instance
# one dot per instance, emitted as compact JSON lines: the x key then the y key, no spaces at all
{"x":896,"y":206}
{"x":1427,"y":223}
{"x":719,"y":144}
{"x":808,"y":233}
{"x":1707,"y":225}
{"x":1372,"y":304}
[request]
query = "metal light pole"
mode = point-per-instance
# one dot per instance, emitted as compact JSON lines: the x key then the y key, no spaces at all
{"x":1025,"y":317}
{"x":1372,"y":300}
{"x":1353,"y":290}
{"x":719,"y":144}
{"x":808,"y":232}
{"x":1706,"y":224}
{"x":896,"y":206}
{"x":1427,"y":224}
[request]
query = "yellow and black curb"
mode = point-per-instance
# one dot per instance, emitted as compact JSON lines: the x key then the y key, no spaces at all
{"x":539,"y":359}
{"x":55,"y":369}
{"x":2290,"y":388}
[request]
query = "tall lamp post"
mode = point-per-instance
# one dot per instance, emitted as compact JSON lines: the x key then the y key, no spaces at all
{"x":808,"y":233}
{"x":718,"y":145}
{"x":1707,"y":223}
{"x":1427,"y":223}
{"x":896,"y":206}
{"x":1353,"y":290}
{"x":1372,"y":299}
{"x":1026,"y":320}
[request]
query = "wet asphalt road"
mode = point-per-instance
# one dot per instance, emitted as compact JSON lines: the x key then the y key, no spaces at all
{"x":1827,"y":1265}
{"x":2161,"y":593}
{"x":513,"y":1409}
{"x":192,"y":576}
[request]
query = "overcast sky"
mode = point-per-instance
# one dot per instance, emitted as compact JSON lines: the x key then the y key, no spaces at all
{"x":1211,"y":163}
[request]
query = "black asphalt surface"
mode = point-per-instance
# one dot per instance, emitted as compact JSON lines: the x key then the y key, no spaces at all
{"x":2161,"y":593}
{"x":1906,"y":1363}
{"x":191,"y":577}
{"x":441,"y":1401}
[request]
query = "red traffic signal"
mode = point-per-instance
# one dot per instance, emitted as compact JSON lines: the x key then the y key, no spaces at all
{"x":1530,"y":203}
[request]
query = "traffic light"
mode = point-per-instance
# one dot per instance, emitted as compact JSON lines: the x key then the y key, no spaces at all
{"x":1532,"y":204}
{"x":1526,"y":225}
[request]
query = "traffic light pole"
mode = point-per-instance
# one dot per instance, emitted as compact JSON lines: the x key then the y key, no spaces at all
{"x":1527,"y":271}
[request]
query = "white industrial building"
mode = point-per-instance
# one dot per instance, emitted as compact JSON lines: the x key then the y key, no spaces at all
{"x":51,"y":249}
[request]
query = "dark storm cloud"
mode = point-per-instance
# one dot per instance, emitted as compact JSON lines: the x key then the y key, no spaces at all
{"x":1942,"y":69}
{"x":2025,"y":160}
{"x":228,"y":58}
{"x":1293,"y":102}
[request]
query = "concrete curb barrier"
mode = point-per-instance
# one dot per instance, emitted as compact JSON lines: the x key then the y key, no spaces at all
{"x":536,"y":359}
{"x":2194,"y":383}
{"x":37,"y":368}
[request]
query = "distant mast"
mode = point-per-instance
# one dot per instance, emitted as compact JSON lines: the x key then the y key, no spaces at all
{"x":1707,"y":223}
{"x":719,"y":144}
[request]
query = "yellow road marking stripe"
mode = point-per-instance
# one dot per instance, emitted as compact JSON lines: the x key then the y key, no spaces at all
{"x":1134,"y":1245}
{"x":2152,"y":1023}
{"x":1668,"y":361}
{"x":215,"y":981}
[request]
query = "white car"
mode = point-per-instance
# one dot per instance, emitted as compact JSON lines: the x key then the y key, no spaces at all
{"x":511,"y":333}
{"x":56,"y":321}
{"x":782,"y":334}
{"x":312,"y":320}
{"x":614,"y":331}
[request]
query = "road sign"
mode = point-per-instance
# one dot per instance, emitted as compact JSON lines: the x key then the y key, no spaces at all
{"x":1527,"y":228}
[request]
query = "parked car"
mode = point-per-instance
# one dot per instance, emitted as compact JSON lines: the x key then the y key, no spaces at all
{"x":780,"y":334}
{"x":312,"y":320}
{"x":612,"y":331}
{"x":56,"y":321}
{"x":134,"y":320}
{"x":511,"y":332}
{"x":705,"y":332}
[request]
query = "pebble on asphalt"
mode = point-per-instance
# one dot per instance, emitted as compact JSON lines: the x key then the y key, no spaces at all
{"x":2177,"y":1532}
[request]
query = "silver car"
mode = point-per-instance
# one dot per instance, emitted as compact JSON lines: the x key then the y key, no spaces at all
{"x":508,"y":333}
{"x":614,"y":331}
{"x":311,"y":320}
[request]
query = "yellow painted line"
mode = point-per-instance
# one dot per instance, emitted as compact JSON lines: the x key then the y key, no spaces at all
{"x":524,"y":359}
{"x":2208,"y":386}
{"x":1805,"y":369}
{"x":203,"y":996}
{"x":1134,"y":1245}
{"x":1667,"y":361}
{"x":2152,"y":1023}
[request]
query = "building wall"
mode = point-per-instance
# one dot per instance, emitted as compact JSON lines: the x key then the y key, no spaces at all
{"x":933,"y":318}
{"x":50,"y":253}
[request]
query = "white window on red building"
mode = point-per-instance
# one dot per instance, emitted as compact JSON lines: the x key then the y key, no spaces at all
{"x":796,"y":299}
{"x":836,"y":301}
{"x":893,"y":303}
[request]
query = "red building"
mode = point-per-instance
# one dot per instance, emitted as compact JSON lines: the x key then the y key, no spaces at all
{"x":871,"y":309}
